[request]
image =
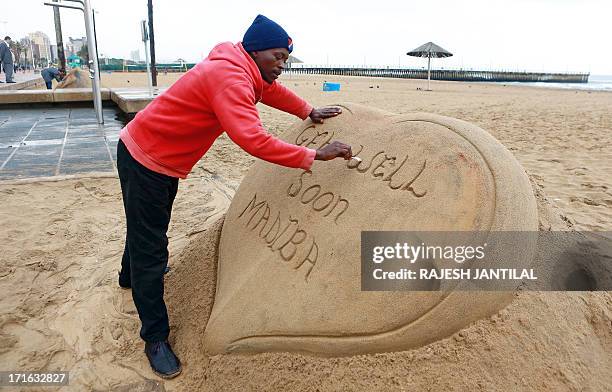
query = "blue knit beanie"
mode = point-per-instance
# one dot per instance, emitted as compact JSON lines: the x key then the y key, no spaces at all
{"x":266,"y":34}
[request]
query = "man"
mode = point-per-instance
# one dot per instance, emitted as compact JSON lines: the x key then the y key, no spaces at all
{"x":76,"y":78}
{"x":174,"y":131}
{"x":6,"y":58}
{"x":50,"y":73}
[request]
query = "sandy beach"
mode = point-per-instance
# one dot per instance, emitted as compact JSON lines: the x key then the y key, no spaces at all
{"x":61,"y":242}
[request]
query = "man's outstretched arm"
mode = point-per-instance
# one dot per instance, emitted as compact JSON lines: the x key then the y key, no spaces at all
{"x":239,"y":119}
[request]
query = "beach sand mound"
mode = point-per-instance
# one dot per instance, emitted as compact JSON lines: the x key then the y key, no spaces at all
{"x":294,"y":282}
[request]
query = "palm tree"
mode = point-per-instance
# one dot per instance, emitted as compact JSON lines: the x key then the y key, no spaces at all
{"x":25,"y":51}
{"x":25,"y":45}
{"x":17,"y":48}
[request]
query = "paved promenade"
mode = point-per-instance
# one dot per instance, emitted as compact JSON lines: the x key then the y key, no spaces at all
{"x":55,"y":141}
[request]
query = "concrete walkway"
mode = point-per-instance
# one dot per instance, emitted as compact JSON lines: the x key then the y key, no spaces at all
{"x":56,"y":141}
{"x":23,"y":80}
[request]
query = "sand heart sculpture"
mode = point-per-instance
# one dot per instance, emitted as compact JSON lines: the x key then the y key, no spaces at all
{"x":289,"y":255}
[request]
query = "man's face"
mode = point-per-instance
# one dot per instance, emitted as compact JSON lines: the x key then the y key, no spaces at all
{"x":271,"y":62}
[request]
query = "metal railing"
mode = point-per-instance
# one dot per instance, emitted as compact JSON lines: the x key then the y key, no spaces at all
{"x":450,"y":75}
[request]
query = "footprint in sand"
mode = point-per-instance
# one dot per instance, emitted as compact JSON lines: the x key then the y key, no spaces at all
{"x":55,"y":225}
{"x":585,"y":200}
{"x":7,"y":342}
{"x":592,"y":186}
{"x":5,"y":270}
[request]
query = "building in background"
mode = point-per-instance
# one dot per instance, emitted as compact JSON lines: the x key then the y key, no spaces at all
{"x":53,"y":54}
{"x":74,"y":45}
{"x":41,"y":47}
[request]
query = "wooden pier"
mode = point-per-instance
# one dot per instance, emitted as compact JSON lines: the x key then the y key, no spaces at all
{"x":451,"y":75}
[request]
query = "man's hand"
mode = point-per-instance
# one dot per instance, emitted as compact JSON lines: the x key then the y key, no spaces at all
{"x":318,"y":115}
{"x":334,"y":150}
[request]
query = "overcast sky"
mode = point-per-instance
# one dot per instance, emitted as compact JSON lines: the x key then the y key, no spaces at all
{"x":536,"y":35}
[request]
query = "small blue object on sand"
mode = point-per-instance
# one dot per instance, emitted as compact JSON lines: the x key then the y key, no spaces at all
{"x":331,"y":86}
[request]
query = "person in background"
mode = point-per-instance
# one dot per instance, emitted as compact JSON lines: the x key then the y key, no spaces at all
{"x":50,"y":73}
{"x":76,"y":78}
{"x":6,"y":58}
{"x":167,"y":138}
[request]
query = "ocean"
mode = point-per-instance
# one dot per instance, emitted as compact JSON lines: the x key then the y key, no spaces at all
{"x":596,"y":82}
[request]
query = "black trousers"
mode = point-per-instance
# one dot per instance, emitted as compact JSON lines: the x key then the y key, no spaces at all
{"x":147,"y":200}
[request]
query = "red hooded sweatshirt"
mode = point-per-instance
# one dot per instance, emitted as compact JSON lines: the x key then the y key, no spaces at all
{"x":219,"y":94}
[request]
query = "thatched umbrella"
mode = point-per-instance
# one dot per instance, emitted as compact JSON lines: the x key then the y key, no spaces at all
{"x":429,"y":50}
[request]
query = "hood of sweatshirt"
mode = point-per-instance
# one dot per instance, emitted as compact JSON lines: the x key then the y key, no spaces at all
{"x":230,"y":55}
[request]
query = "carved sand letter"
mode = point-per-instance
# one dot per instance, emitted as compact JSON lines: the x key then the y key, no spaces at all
{"x":273,"y":226}
{"x":408,"y":186}
{"x":389,"y":177}
{"x":291,"y":191}
{"x":252,"y":204}
{"x":293,"y":242}
{"x":264,"y":218}
{"x":308,"y":138}
{"x":314,"y":203}
{"x":301,"y":139}
{"x":366,"y":168}
{"x":389,"y":159}
{"x":311,"y":258}
{"x":346,"y":206}
{"x":280,"y":234}
{"x":316,"y":188}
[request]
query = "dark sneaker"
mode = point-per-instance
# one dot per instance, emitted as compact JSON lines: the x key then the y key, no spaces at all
{"x":11,"y":81}
{"x":162,"y":359}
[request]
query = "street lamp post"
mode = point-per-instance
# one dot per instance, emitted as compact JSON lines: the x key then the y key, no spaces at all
{"x":152,"y":43}
{"x":58,"y":37}
{"x":93,"y":60}
{"x":93,"y":54}
{"x":93,"y":17}
{"x":145,"y":38}
{"x":32,"y":53}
